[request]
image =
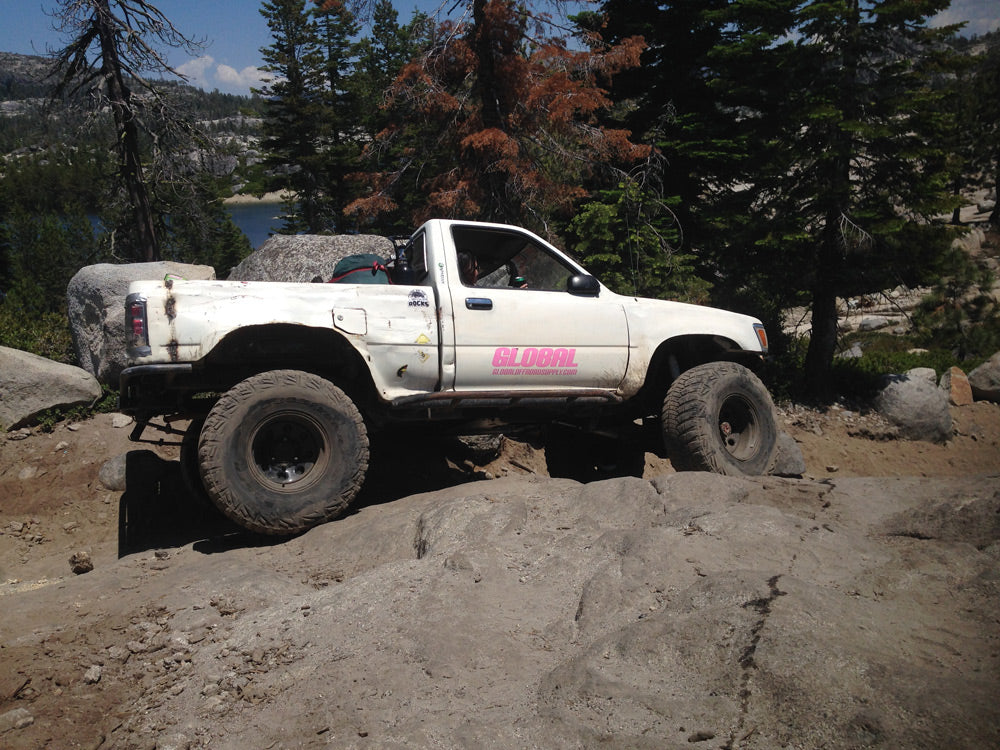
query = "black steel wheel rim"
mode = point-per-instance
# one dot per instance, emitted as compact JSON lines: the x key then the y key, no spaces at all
{"x":739,"y":427}
{"x":288,"y":451}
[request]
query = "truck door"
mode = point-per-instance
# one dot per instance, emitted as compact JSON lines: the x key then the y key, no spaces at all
{"x":516,"y":325}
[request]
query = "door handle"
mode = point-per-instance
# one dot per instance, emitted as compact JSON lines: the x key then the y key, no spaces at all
{"x":478,"y":303}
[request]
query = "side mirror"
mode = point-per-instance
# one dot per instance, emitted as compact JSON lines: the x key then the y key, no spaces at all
{"x":583,"y":286}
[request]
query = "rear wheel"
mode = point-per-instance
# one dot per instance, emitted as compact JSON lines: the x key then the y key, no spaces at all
{"x":283,"y":451}
{"x":719,"y":417}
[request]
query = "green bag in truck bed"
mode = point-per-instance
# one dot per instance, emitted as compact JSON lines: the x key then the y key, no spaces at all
{"x":364,"y":268}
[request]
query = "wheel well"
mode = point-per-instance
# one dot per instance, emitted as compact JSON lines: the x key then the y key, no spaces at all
{"x":254,"y":349}
{"x":677,"y":355}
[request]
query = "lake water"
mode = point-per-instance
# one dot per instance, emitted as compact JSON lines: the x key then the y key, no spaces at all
{"x":257,"y":220}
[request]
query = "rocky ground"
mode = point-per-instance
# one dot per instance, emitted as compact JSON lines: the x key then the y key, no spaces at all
{"x":469,"y":605}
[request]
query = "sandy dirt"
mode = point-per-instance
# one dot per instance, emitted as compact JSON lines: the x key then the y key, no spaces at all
{"x":189,"y":633}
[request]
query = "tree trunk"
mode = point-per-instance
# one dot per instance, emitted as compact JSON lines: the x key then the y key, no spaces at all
{"x":823,"y":341}
{"x":129,"y":159}
{"x":493,"y":184}
{"x":830,"y":257}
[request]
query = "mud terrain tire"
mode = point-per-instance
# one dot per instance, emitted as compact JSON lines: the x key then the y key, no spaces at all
{"x":283,"y":451}
{"x":719,"y":417}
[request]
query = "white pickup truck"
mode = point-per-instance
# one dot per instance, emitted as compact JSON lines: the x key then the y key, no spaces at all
{"x":478,"y":328}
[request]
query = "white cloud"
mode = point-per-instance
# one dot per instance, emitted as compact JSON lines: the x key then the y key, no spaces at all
{"x":239,"y":81}
{"x":197,"y":71}
{"x":204,"y":73}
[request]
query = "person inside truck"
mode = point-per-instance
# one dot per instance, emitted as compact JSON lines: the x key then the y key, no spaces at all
{"x":468,"y":268}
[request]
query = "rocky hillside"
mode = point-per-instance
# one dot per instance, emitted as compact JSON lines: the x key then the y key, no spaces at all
{"x":27,"y":126}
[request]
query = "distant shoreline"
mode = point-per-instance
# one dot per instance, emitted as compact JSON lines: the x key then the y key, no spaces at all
{"x":277,"y":196}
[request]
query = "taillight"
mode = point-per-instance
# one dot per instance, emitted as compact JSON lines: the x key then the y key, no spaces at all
{"x":136,"y":330}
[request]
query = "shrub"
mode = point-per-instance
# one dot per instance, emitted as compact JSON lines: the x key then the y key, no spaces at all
{"x":46,"y":334}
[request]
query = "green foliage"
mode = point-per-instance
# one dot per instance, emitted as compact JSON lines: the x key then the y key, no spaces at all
{"x":967,"y":327}
{"x":308,"y":111}
{"x":379,"y":59}
{"x":63,"y":174}
{"x":45,"y":334}
{"x":807,"y":140}
{"x":41,"y":252}
{"x":629,"y":240}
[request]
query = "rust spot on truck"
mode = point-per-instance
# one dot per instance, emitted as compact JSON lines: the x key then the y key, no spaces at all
{"x":170,"y":307}
{"x":173,"y":350}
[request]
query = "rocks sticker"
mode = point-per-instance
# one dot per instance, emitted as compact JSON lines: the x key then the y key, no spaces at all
{"x":418,"y":298}
{"x":534,"y":361}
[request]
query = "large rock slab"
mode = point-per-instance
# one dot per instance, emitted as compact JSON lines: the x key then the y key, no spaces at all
{"x":96,"y":297}
{"x":30,"y":385}
{"x":692,"y":610}
{"x":985,"y":380}
{"x":304,"y":257}
{"x":914,"y":403}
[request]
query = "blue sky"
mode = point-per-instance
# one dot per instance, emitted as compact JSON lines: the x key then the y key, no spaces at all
{"x":235,"y":31}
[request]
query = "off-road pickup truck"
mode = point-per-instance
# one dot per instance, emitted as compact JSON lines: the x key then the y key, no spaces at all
{"x":479,"y":328}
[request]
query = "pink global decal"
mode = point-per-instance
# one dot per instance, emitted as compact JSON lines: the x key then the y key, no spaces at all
{"x":535,"y":361}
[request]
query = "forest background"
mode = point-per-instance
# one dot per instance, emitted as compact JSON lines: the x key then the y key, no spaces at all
{"x":756,"y":155}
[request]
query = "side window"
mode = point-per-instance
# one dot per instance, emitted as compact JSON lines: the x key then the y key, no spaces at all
{"x":539,"y":269}
{"x":497,"y":259}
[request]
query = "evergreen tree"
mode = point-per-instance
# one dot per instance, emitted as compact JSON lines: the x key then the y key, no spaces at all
{"x":985,"y":120}
{"x":668,"y":98}
{"x":863,"y":172}
{"x":380,"y":58}
{"x":293,"y":114}
{"x":497,"y":121}
{"x":310,"y":114}
{"x":808,"y":141}
{"x":341,"y":149}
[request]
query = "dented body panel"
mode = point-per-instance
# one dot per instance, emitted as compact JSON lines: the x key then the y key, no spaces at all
{"x":380,"y":322}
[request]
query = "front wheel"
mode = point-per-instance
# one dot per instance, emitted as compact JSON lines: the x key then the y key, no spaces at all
{"x":283,"y":451}
{"x":719,"y":417}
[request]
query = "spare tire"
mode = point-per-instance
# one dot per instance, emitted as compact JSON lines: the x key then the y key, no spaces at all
{"x":283,"y":451}
{"x":719,"y":417}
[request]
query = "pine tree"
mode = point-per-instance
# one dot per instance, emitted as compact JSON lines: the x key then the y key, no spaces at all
{"x":668,"y":98}
{"x":380,"y":58}
{"x":497,"y":121}
{"x":311,"y":112}
{"x":339,"y":131}
{"x":985,"y":119}
{"x":817,"y":161}
{"x":867,"y":173}
{"x":293,"y":116}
